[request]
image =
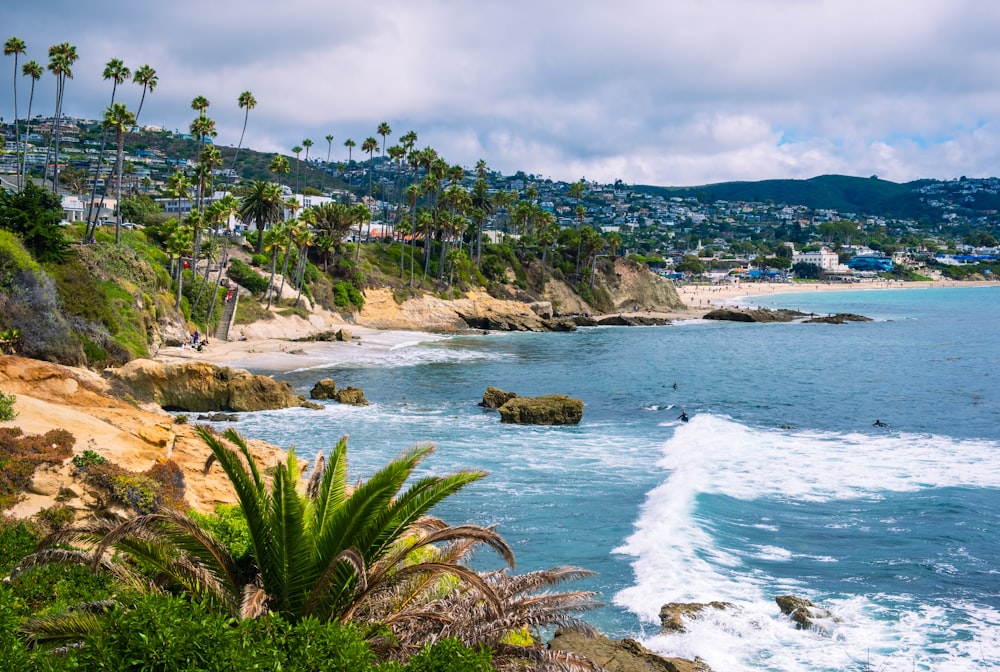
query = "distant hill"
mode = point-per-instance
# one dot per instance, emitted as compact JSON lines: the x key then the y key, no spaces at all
{"x":859,"y":195}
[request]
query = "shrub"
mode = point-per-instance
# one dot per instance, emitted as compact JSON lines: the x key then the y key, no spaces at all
{"x":88,"y":458}
{"x":56,"y":517}
{"x":246,"y":277}
{"x":147,"y":492}
{"x":7,"y":411}
{"x":21,"y":454}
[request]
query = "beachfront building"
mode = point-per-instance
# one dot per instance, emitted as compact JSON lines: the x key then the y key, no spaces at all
{"x":824,"y":258}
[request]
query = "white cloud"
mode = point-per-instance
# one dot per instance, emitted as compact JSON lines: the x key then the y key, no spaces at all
{"x":668,"y":93}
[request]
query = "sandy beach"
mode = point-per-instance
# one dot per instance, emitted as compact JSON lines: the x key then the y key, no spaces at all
{"x":272,"y":345}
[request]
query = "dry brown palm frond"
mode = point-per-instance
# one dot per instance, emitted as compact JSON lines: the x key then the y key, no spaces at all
{"x":511,"y":658}
{"x":316,"y":476}
{"x":254,"y":603}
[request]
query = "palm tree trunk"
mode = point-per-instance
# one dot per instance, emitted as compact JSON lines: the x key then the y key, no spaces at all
{"x":270,"y":284}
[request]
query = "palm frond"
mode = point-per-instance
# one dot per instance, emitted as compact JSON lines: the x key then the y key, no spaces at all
{"x":316,"y":476}
{"x":61,"y":629}
{"x":254,"y":603}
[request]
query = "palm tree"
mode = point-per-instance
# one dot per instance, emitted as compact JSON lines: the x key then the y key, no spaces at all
{"x":350,"y":144}
{"x":333,"y":221}
{"x":118,"y":119}
{"x":117,"y":72}
{"x":146,"y":76}
{"x":361,"y":215}
{"x":333,"y":553}
{"x":384,"y":130}
{"x":181,"y":243}
{"x":202,"y":127}
{"x":34,"y":70}
{"x":614,"y":241}
{"x":274,"y":242}
{"x":307,"y":143}
{"x":329,"y":147}
{"x":247,"y":102}
{"x":370,"y":145}
{"x":200,"y":103}
{"x":219,"y":213}
{"x":15,"y":46}
{"x":296,"y":150}
{"x":261,"y":204}
{"x":61,"y":59}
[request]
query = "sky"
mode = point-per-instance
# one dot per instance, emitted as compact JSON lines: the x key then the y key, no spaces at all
{"x":662,"y":92}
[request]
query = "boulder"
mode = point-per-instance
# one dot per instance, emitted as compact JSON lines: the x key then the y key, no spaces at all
{"x":626,"y":655}
{"x":552,"y":409}
{"x":344,"y":335}
{"x":219,"y":417}
{"x":202,"y":387}
{"x":542,"y":308}
{"x":672,"y":615}
{"x":351,"y":395}
{"x":805,"y":614}
{"x":324,"y":389}
{"x":494,"y":397}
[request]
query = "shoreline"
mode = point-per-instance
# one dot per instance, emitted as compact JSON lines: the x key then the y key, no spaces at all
{"x":271,"y":346}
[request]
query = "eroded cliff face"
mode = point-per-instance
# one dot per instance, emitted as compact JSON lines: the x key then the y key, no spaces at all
{"x":621,"y":286}
{"x":50,"y":396}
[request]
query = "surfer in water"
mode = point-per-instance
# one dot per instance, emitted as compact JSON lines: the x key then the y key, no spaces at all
{"x":683,"y":417}
{"x":879,"y":423}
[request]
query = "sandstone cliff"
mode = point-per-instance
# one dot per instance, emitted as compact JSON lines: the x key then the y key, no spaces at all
{"x":621,"y":286}
{"x":50,"y":396}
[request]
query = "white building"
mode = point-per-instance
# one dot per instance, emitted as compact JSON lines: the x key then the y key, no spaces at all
{"x":824,"y":258}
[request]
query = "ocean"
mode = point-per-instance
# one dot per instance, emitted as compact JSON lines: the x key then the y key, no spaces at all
{"x":778,"y":484}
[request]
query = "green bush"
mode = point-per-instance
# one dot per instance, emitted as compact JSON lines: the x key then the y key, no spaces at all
{"x":7,"y":412}
{"x":245,"y":276}
{"x":346,"y":295}
{"x":450,"y":655}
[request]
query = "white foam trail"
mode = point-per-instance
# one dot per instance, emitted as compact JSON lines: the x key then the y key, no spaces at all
{"x":676,"y":560}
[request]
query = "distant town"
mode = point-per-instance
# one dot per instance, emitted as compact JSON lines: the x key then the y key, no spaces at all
{"x":680,"y":232}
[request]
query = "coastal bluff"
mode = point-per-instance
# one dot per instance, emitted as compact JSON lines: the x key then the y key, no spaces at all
{"x":134,"y":436}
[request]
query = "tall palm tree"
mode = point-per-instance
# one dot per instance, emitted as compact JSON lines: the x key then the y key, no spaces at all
{"x":350,"y":144}
{"x":117,"y":72}
{"x":15,"y":46}
{"x":146,"y":76}
{"x":181,"y":244}
{"x":247,"y":102}
{"x":219,"y":214}
{"x":370,"y":145}
{"x":296,"y":150}
{"x":119,"y":119}
{"x":61,"y":59}
{"x":384,"y":130}
{"x":33,"y":70}
{"x":307,"y":143}
{"x":200,"y":103}
{"x":274,"y":242}
{"x":329,"y":148}
{"x":262,"y":205}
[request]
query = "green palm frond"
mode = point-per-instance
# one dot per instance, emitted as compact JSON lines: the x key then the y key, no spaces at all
{"x":61,"y":629}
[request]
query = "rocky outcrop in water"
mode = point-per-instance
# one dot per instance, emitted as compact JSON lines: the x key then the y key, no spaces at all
{"x":324,"y":389}
{"x":673,"y":615}
{"x":805,"y":614}
{"x":839,"y":318}
{"x":552,"y":409}
{"x":351,"y":395}
{"x":494,"y":397}
{"x":753,"y":315}
{"x":202,"y":387}
{"x":626,"y":655}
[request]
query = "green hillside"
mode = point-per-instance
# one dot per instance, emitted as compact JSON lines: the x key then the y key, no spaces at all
{"x":836,"y":192}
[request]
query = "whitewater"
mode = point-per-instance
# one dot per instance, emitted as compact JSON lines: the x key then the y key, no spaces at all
{"x":779,"y":484}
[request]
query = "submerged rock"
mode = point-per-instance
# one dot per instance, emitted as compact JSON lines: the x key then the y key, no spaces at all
{"x":552,"y":409}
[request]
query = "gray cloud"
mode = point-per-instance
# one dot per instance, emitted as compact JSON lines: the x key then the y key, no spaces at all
{"x":665,"y":92}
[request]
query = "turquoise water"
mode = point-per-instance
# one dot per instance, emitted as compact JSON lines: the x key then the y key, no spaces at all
{"x":894,"y":530}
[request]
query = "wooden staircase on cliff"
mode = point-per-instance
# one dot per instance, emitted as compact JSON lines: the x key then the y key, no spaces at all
{"x":228,"y":316}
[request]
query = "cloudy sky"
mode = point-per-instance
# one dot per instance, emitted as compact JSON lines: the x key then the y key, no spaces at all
{"x":667,"y":92}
